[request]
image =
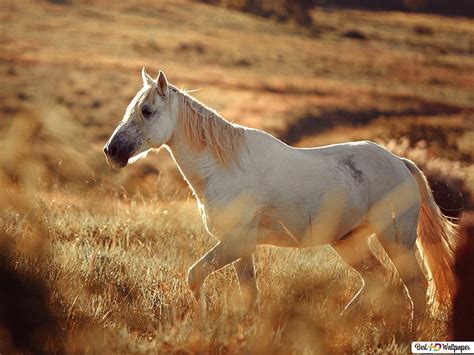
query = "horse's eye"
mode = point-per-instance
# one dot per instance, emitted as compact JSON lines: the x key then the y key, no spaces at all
{"x":146,"y":112}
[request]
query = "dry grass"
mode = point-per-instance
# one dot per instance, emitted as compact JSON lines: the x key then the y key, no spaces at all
{"x":95,"y":260}
{"x":114,"y":273}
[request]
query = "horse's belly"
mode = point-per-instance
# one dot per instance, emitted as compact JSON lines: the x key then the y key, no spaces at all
{"x":301,"y":226}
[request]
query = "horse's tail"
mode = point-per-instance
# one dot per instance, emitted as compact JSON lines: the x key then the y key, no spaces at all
{"x":436,"y":240}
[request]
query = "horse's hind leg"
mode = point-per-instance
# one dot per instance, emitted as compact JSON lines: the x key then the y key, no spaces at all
{"x":410,"y":272}
{"x":354,"y":250}
{"x":397,"y":234}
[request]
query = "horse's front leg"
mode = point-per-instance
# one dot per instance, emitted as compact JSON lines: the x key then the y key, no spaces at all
{"x":245,"y":268}
{"x":222,"y":254}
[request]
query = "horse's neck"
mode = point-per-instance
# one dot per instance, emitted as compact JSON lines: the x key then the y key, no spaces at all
{"x":196,"y":166}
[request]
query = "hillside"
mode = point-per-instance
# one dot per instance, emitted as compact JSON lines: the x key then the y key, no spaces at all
{"x":103,"y":254}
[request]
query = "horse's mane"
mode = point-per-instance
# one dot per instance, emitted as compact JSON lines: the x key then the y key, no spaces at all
{"x":205,"y":128}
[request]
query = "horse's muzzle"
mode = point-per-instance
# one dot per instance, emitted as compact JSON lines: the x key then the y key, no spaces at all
{"x":117,"y":156}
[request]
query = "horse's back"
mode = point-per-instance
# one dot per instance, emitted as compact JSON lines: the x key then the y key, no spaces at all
{"x":362,"y":167}
{"x":344,"y":182}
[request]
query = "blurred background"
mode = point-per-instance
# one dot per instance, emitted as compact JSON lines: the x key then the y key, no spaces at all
{"x":99,"y":256}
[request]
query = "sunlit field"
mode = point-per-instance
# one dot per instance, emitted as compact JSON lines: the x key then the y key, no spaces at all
{"x":95,"y":260}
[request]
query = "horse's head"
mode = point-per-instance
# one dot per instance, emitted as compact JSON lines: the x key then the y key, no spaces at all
{"x":148,"y":122}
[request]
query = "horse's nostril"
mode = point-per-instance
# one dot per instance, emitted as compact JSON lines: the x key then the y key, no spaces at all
{"x":113,"y":150}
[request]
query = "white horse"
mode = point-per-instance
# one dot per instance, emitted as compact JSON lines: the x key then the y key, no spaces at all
{"x":254,"y":189}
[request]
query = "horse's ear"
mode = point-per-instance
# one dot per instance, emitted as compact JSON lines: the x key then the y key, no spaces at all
{"x":162,"y":84}
{"x":147,"y":79}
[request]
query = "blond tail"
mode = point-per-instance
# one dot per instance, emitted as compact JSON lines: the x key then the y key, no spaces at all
{"x":436,"y":236}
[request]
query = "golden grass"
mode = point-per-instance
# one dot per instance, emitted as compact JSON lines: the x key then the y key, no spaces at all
{"x":114,"y":272}
{"x":102,"y":256}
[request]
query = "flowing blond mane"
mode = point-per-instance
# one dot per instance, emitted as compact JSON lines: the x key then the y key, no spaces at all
{"x":205,"y":128}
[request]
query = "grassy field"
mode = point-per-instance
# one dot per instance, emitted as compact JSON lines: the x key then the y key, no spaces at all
{"x":95,"y":260}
